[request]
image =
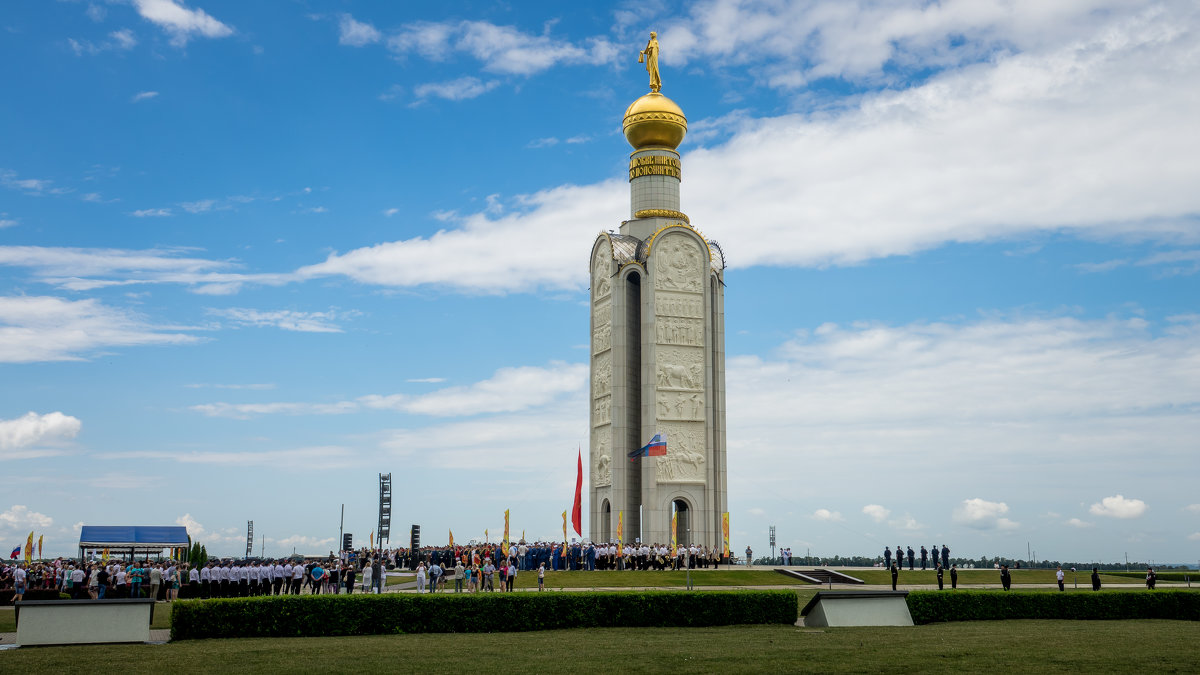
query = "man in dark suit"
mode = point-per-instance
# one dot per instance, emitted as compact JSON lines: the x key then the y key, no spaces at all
{"x":895,"y":575}
{"x":924,"y":556}
{"x":945,"y":556}
{"x":939,"y":576}
{"x":887,"y":557}
{"x":1005,"y":578}
{"x":954,"y":576}
{"x":911,"y":557}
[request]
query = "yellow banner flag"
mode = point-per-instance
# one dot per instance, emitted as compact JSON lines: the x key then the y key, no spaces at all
{"x":564,"y":534}
{"x":725,"y":534}
{"x":620,"y":533}
{"x":451,"y":539}
{"x":674,"y":530}
{"x":29,"y":548}
{"x":40,"y":544}
{"x":485,"y":535}
{"x":106,"y":553}
{"x":505,"y":533}
{"x":371,"y":540}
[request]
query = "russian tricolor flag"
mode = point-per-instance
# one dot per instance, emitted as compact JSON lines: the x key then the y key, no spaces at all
{"x":657,"y":447}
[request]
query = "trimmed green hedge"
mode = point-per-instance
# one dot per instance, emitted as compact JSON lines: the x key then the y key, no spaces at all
{"x":938,"y":606}
{"x":320,"y":615}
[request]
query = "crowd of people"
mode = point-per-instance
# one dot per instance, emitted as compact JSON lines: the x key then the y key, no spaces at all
{"x":95,"y":580}
{"x":927,"y":560}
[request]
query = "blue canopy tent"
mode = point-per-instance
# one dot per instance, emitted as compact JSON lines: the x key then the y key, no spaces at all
{"x":131,"y":539}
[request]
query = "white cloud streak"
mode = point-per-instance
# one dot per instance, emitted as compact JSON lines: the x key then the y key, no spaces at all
{"x":180,"y":22}
{"x":304,"y":322}
{"x":143,"y":96}
{"x":981,"y":514}
{"x":356,"y":33}
{"x":1002,"y":148}
{"x":501,"y":49}
{"x":44,"y":328}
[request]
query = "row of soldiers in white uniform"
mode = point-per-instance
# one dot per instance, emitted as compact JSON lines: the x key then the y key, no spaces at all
{"x":240,"y":580}
{"x":657,"y":557}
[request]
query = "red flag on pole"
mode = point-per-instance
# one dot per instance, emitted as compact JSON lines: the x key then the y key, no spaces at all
{"x":577,"y":509}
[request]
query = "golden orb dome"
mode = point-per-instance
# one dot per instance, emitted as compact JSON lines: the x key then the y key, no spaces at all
{"x":654,"y":121}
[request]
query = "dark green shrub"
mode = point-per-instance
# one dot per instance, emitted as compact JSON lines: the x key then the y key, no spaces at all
{"x":322,"y":615}
{"x":938,"y":606}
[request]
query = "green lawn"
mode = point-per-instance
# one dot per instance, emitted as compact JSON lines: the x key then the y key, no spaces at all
{"x":1011,"y":646}
{"x":650,"y":579}
{"x":976,"y":576}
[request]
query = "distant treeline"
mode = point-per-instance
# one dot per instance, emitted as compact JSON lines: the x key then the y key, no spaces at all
{"x":984,"y":563}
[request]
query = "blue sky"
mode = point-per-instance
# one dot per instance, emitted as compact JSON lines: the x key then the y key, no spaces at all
{"x":254,"y":254}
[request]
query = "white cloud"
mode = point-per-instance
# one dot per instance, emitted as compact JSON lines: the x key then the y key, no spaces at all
{"x":199,"y":533}
{"x":123,"y":40}
{"x":502,"y":49}
{"x":1075,"y":522}
{"x":33,"y":429}
{"x":31,"y":186}
{"x":81,"y":269}
{"x":20,"y":518}
{"x":427,"y":380}
{"x":906,"y":522}
{"x":199,"y":206}
{"x":981,"y":514}
{"x":826,"y":514}
{"x":304,"y":322}
{"x":143,"y":95}
{"x":998,"y":394}
{"x":44,"y":328}
{"x":1119,"y":507}
{"x":355,"y":33}
{"x":150,"y":213}
{"x":307,"y":459}
{"x":461,"y":89}
{"x":1195,"y":536}
{"x":390,"y":212}
{"x":990,"y":150}
{"x":304,"y":543}
{"x":794,"y":43}
{"x":876,"y":512}
{"x":755,"y":511}
{"x":508,"y":390}
{"x":244,"y":411}
{"x":1194,"y":508}
{"x":180,"y":22}
{"x":7,"y":222}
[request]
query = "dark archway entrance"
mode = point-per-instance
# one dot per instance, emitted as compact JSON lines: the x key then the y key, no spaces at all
{"x":683,"y":524}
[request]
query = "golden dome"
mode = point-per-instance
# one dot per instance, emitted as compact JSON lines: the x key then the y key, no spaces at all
{"x":654,"y":121}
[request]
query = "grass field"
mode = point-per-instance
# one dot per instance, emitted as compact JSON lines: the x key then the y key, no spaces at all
{"x":1010,"y":646}
{"x":1039,"y":576}
{"x":665,"y":579}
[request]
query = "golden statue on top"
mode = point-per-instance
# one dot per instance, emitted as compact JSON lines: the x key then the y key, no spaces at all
{"x":649,"y":55}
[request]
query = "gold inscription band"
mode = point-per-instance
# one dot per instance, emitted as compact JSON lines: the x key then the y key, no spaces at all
{"x":654,"y":165}
{"x":662,"y":213}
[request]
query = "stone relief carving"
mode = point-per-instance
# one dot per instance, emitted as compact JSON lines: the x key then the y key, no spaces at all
{"x":672,"y":331}
{"x":602,"y":338}
{"x":602,"y":411}
{"x":602,"y":285}
{"x":602,"y":376}
{"x":684,"y":462}
{"x":675,"y":376}
{"x":602,"y":471}
{"x":679,"y":405}
{"x":678,"y":264}
{"x":678,"y":304}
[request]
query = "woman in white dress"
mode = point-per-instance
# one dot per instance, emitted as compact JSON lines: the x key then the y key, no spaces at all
{"x":366,"y":576}
{"x":421,"y":578}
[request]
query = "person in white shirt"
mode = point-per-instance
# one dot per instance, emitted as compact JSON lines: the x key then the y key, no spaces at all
{"x":420,"y":578}
{"x":1059,"y":575}
{"x":297,"y":578}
